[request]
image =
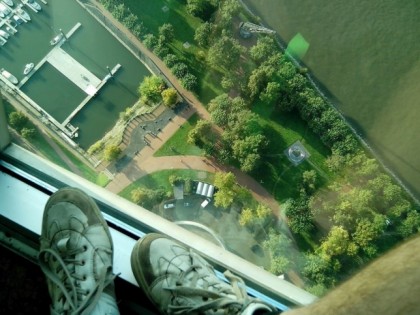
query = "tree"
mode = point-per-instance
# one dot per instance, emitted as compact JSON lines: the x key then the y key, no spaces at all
{"x":151,"y":88}
{"x":150,"y":41}
{"x":202,"y":9}
{"x":200,"y":132}
{"x":170,"y":60}
{"x":257,"y":81}
{"x":271,"y":93}
{"x":246,"y":217}
{"x":28,"y":133}
{"x":180,"y":70}
{"x":147,"y":197}
{"x":139,"y":30}
{"x":219,"y":108}
{"x":247,"y":151}
{"x":300,"y":217}
{"x":203,"y":34}
{"x":166,"y":33}
{"x":189,"y":82}
{"x":169,"y":97}
{"x":223,"y":108}
{"x":225,"y":53}
{"x":112,"y":152}
{"x":279,"y":265}
{"x":130,"y":21}
{"x":236,"y":129}
{"x":263,"y":211}
{"x":410,"y":225}
{"x":309,"y":180}
{"x":336,"y":243}
{"x":161,"y":50}
{"x":280,"y":248}
{"x":318,"y":269}
{"x":225,"y":183}
{"x":265,"y":47}
{"x":227,"y":82}
{"x":368,"y":231}
{"x":18,"y":120}
{"x":227,"y":10}
{"x":119,"y":11}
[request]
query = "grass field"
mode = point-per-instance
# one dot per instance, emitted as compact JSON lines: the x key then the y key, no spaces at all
{"x":177,"y":144}
{"x":277,"y":174}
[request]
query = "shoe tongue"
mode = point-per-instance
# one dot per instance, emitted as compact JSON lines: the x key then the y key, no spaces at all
{"x":62,"y":244}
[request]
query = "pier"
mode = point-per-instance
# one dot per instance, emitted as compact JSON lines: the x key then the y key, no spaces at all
{"x":89,"y":97}
{"x":45,"y":59}
{"x":75,"y":72}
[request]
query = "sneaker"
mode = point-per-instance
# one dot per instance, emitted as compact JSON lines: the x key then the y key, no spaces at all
{"x":76,"y":254}
{"x":179,"y":281}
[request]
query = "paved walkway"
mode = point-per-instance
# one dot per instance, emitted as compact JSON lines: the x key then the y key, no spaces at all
{"x":144,"y":163}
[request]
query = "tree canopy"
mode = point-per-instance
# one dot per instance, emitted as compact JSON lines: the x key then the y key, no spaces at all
{"x":151,"y":88}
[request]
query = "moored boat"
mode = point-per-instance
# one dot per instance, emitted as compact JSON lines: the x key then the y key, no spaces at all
{"x":28,"y":68}
{"x":23,"y":14}
{"x":10,"y":77}
{"x":56,"y":39}
{"x":33,"y":4}
{"x":4,"y":34}
{"x":9,"y":2}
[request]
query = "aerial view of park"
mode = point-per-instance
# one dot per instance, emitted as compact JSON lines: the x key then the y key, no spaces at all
{"x":212,"y":115}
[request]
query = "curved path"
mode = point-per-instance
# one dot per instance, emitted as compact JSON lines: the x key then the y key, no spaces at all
{"x":144,"y":162}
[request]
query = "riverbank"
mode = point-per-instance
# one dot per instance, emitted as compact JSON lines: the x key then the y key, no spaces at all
{"x":254,"y":8}
{"x":353,"y":61}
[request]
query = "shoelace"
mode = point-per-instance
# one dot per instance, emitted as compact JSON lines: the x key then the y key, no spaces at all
{"x":215,"y":299}
{"x":65,"y":280}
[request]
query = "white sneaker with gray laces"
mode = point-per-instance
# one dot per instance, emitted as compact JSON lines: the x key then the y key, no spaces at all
{"x":76,"y":255}
{"x":179,"y":281}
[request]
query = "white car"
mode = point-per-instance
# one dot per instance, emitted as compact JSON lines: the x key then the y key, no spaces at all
{"x":168,"y":206}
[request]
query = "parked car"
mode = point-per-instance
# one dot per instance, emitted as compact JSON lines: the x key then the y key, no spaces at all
{"x":168,"y":206}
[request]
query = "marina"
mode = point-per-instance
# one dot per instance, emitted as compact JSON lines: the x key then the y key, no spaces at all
{"x":72,"y":70}
{"x":63,"y":75}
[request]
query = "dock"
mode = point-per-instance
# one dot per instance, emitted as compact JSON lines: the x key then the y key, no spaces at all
{"x":90,"y":96}
{"x":75,"y":72}
{"x":45,"y":59}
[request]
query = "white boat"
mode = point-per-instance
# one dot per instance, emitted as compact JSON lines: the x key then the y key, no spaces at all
{"x":28,"y":68}
{"x":9,"y":2}
{"x":56,"y":39}
{"x":4,"y":34}
{"x":2,"y":41}
{"x":10,"y":77}
{"x":18,"y":19}
{"x":35,"y":5}
{"x":4,"y":10}
{"x":23,"y":13}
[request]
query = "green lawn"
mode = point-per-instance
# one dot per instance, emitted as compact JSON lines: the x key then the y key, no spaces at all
{"x":152,"y":16}
{"x":278,"y":175}
{"x":177,"y":144}
{"x":160,"y":179}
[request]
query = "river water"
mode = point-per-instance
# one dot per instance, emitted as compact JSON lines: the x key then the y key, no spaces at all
{"x":92,"y":46}
{"x":366,"y":54}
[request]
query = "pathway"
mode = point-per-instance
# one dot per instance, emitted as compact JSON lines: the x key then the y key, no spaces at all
{"x":144,"y":163}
